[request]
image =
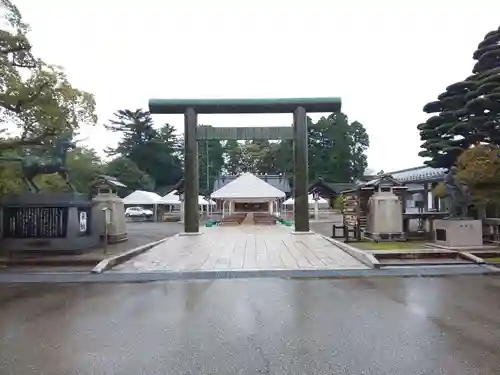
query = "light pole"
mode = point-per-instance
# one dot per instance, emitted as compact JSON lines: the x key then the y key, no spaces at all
{"x":208,"y":178}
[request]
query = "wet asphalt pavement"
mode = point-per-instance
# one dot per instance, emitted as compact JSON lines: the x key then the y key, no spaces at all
{"x":386,"y":326}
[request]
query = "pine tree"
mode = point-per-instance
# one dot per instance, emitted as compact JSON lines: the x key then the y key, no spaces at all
{"x":155,"y":152}
{"x":468,"y":112}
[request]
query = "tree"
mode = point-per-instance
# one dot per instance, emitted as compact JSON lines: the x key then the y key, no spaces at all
{"x":34,"y":96}
{"x":337,"y":149}
{"x":468,"y":112}
{"x":128,"y":173}
{"x":337,"y":152}
{"x":483,"y":103}
{"x":211,"y":160}
{"x":269,"y":157}
{"x":84,"y":166}
{"x":479,"y":169}
{"x":233,"y":156}
{"x":156,"y":152}
{"x":359,"y":141}
{"x":444,"y":135}
{"x":282,"y":154}
{"x":82,"y":163}
{"x":439,"y":191}
{"x":10,"y":176}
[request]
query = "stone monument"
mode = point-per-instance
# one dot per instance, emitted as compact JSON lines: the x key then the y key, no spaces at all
{"x":457,"y":230}
{"x":106,"y":199}
{"x":46,"y":221}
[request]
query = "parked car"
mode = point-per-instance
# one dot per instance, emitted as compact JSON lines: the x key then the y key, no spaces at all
{"x":137,"y":211}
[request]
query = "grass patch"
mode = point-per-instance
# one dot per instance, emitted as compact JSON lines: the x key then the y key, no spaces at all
{"x":407,"y":245}
{"x":493,"y":260}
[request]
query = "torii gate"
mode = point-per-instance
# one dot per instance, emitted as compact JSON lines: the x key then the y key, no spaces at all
{"x":192,"y":107}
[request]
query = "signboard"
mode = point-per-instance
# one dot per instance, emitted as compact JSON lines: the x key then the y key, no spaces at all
{"x":83,"y":221}
{"x":107,"y":216}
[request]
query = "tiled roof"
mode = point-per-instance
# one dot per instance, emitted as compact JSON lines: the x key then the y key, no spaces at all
{"x":385,"y":179}
{"x":332,"y":188}
{"x":339,"y":187}
{"x":419,"y":174}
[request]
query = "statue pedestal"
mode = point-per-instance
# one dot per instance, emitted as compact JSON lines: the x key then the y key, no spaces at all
{"x":47,"y":222}
{"x":456,"y":233}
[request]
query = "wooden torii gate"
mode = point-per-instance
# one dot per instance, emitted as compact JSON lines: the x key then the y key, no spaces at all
{"x":298,"y":132}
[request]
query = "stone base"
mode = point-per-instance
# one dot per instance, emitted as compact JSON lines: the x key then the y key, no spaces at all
{"x":456,"y":233}
{"x":398,"y":236}
{"x":189,"y":234}
{"x":434,"y":245}
{"x":117,"y":238}
{"x":117,"y":228}
{"x":21,"y":215}
{"x":302,"y":233}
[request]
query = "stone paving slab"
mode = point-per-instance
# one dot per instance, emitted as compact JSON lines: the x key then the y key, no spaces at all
{"x":244,"y":247}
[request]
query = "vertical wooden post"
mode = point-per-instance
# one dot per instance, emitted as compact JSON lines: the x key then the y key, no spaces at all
{"x":301,"y":204}
{"x":191,"y":217}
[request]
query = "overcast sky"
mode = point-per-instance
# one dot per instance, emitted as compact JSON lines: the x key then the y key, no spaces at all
{"x":384,"y":58}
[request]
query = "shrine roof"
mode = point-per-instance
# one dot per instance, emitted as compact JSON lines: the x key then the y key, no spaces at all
{"x":420,"y":174}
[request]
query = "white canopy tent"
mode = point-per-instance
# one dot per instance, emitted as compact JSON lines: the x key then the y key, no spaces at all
{"x":141,"y":197}
{"x":170,"y":199}
{"x":310,"y":200}
{"x":314,"y":204}
{"x":248,"y":188}
{"x":173,"y":199}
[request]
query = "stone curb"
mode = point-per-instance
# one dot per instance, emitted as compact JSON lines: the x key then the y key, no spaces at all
{"x":40,"y":262}
{"x":134,"y":277}
{"x":364,"y":257}
{"x":471,"y":257}
{"x":113,"y":261}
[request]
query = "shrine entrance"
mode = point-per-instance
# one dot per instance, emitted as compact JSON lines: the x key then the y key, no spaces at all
{"x":251,"y":207}
{"x":298,"y":133}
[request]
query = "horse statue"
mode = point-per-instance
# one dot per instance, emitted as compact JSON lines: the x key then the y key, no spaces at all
{"x":53,"y":162}
{"x":458,"y":193}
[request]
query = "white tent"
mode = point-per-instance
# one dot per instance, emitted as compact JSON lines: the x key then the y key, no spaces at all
{"x":141,"y":197}
{"x":310,"y":200}
{"x":248,"y":187}
{"x":202,"y":201}
{"x":173,"y":199}
{"x":170,"y":198}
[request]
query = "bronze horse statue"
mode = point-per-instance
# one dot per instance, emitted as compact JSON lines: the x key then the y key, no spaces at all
{"x":53,"y":162}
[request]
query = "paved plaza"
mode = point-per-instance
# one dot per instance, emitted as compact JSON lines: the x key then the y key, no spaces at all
{"x":370,"y":326}
{"x":243,"y":247}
